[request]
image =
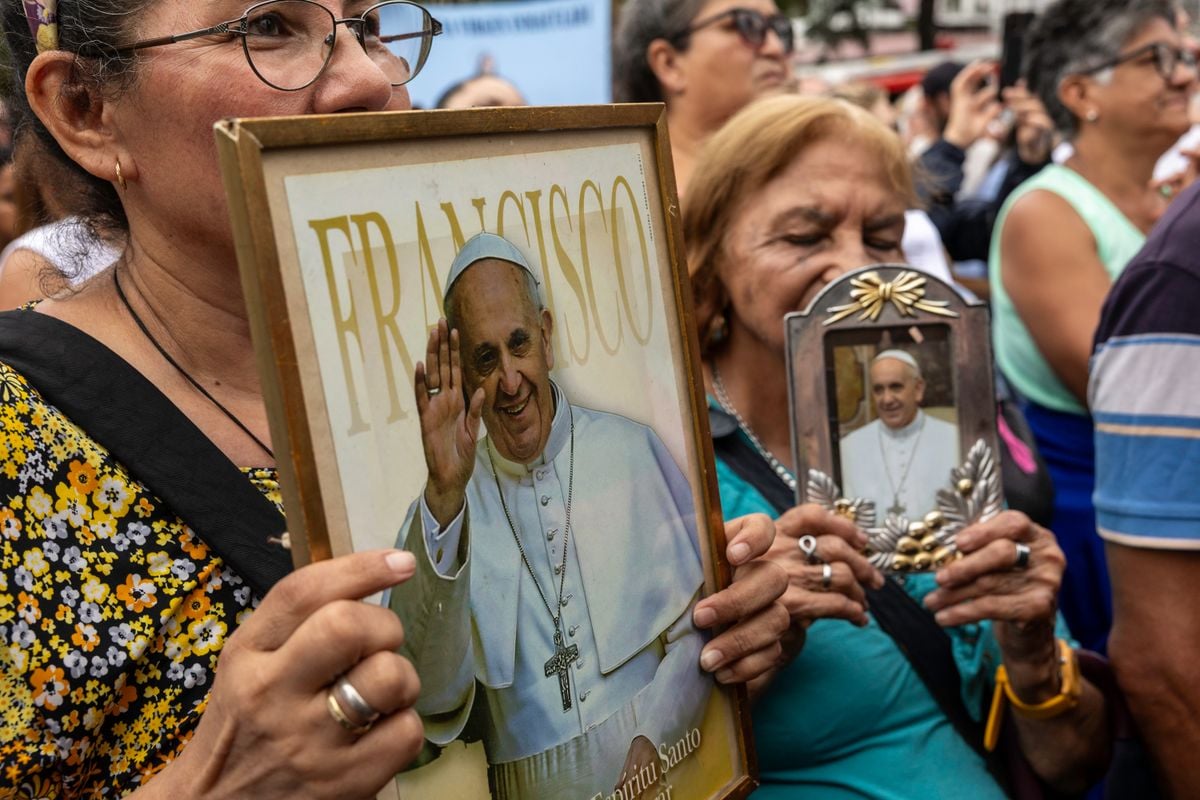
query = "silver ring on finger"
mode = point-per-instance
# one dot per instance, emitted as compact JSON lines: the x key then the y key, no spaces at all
{"x":808,"y":546}
{"x":353,"y":702}
{"x":1023,"y":553}
{"x":341,"y":717}
{"x":349,"y":708}
{"x":433,"y":391}
{"x":826,"y":577}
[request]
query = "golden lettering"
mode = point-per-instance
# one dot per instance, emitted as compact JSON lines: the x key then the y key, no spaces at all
{"x":570,"y":275}
{"x":642,"y":338}
{"x":345,"y":325}
{"x":611,"y":349}
{"x":385,"y":322}
{"x":427,"y":267}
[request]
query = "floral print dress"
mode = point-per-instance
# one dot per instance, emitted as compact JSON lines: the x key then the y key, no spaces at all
{"x":112,"y":612}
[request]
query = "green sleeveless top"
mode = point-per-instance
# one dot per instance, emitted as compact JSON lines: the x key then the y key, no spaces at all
{"x":1117,"y":241}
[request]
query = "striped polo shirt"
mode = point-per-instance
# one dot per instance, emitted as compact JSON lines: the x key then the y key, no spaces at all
{"x":1145,"y":390}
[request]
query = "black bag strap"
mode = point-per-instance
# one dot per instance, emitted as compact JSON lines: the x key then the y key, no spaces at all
{"x":151,"y":438}
{"x":923,"y":642}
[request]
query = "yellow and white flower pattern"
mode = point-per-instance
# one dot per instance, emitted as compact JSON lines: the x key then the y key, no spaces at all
{"x":113,"y":612}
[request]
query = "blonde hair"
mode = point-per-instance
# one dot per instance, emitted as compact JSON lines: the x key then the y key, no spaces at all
{"x":757,"y":144}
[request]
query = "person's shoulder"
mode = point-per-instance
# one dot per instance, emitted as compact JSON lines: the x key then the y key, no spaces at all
{"x":607,"y":421}
{"x":858,"y":435}
{"x":940,"y":426}
{"x":1160,"y":288}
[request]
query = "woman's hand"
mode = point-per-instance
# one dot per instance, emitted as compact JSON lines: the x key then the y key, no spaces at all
{"x":839,"y":543}
{"x":449,"y":428}
{"x":988,"y":584}
{"x":750,"y":606}
{"x":267,"y":731}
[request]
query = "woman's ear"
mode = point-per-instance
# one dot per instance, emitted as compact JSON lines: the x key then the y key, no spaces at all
{"x":668,"y":65}
{"x":1078,"y":94}
{"x":75,"y":114}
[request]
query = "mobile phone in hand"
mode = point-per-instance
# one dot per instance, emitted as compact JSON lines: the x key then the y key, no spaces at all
{"x":1016,"y":26}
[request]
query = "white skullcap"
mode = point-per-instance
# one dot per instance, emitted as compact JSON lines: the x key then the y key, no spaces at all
{"x":482,"y":247}
{"x":899,"y":355}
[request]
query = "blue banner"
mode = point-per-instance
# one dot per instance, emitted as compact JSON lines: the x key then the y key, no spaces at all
{"x":556,"y":52}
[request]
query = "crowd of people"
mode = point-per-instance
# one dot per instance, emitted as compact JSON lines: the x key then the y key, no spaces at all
{"x":133,"y":410}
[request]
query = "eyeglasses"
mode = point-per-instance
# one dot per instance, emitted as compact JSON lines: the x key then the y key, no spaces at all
{"x":288,"y":43}
{"x":751,"y":25}
{"x":1165,"y":58}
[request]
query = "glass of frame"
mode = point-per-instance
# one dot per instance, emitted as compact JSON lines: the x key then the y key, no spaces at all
{"x":550,"y":618}
{"x":904,"y":442}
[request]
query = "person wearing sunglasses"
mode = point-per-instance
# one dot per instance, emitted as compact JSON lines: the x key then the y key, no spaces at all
{"x":154,"y":638}
{"x":705,"y":60}
{"x":1116,"y":81}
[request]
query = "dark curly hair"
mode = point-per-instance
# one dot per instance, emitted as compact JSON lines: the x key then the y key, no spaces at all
{"x":1072,"y":36}
{"x":92,"y":30}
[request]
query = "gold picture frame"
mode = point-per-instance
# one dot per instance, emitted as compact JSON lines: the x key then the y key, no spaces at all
{"x":925,"y":466}
{"x":346,"y":226}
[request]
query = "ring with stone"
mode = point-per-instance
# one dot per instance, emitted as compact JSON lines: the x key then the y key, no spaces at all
{"x":1023,"y":553}
{"x":433,"y":391}
{"x":826,"y":577}
{"x":808,"y":546}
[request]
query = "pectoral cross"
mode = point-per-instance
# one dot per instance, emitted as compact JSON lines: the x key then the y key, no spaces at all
{"x":558,"y":664}
{"x":897,"y":508}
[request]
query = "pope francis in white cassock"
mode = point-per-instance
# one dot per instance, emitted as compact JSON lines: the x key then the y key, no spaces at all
{"x":558,"y":570}
{"x":900,"y":460}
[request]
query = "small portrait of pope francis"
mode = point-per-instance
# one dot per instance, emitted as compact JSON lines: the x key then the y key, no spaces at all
{"x":905,"y":442}
{"x":557,"y":550}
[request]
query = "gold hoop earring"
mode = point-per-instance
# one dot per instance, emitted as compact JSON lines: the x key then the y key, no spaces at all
{"x":120,"y":177}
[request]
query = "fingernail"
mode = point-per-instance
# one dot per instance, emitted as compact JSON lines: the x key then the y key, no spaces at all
{"x":739,"y":552}
{"x":704,"y":616}
{"x":401,"y":562}
{"x":710,"y":658}
{"x":724,"y":676}
{"x":941,"y":617}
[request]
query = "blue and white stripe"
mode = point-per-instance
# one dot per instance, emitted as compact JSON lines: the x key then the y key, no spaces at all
{"x":1145,"y":399}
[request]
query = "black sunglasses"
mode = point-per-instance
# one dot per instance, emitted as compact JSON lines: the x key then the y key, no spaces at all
{"x":751,"y":25}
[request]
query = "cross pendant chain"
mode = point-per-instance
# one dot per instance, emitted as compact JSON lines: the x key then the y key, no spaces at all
{"x":559,"y":664}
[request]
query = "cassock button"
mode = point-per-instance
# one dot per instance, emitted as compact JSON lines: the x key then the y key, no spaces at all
{"x":573,"y":630}
{"x":558,"y":569}
{"x":567,"y":599}
{"x":550,"y":533}
{"x":583,"y":696}
{"x":545,"y":499}
{"x":541,"y":474}
{"x":579,"y":664}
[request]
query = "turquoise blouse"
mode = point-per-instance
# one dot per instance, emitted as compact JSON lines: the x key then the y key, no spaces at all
{"x":850,"y":718}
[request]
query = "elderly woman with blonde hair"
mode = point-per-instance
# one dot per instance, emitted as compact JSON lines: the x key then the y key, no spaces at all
{"x":792,"y":193}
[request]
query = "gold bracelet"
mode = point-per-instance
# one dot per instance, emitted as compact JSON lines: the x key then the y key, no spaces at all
{"x":1071,"y":687}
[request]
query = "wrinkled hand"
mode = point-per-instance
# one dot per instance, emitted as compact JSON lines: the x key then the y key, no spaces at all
{"x":973,"y":105}
{"x":985,"y":583}
{"x":641,"y":754}
{"x":449,"y":430}
{"x":1034,"y":127}
{"x":839,"y":544}
{"x":267,"y":732}
{"x":750,"y":606}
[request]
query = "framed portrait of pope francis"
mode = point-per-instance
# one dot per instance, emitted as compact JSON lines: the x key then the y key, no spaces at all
{"x":475,"y":333}
{"x":903,"y":441}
